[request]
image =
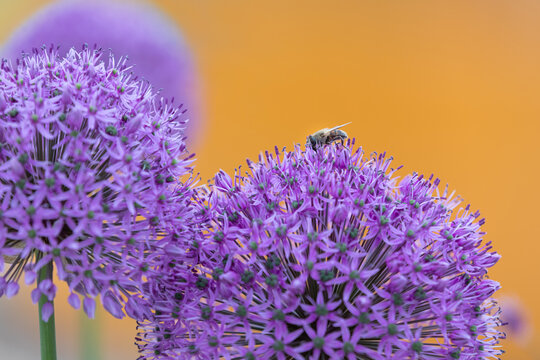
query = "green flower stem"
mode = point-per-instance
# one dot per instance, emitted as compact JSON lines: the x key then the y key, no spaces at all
{"x":90,"y":339}
{"x":47,"y":333}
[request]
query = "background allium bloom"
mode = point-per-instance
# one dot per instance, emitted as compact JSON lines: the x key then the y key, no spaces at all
{"x":517,"y":320}
{"x":87,"y":161}
{"x":151,"y":40}
{"x":325,"y":255}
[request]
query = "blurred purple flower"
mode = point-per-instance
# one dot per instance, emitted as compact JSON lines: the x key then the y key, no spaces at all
{"x":324,"y":255}
{"x":152,"y":42}
{"x":516,"y":318}
{"x":89,"y":161}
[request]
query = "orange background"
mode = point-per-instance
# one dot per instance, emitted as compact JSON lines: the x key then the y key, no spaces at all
{"x":446,"y":87}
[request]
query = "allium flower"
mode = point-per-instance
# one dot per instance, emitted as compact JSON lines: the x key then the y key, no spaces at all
{"x":149,"y":37}
{"x":325,"y":255}
{"x":87,"y":161}
{"x":516,"y":319}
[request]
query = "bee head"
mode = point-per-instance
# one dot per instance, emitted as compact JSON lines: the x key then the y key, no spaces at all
{"x":310,"y":142}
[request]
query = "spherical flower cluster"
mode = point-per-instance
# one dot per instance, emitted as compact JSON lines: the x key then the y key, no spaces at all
{"x":154,"y":43}
{"x":88,"y":164}
{"x":323,"y":254}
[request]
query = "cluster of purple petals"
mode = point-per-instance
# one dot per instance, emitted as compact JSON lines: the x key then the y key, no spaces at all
{"x":326,"y":255}
{"x":152,"y":40}
{"x":89,"y":169}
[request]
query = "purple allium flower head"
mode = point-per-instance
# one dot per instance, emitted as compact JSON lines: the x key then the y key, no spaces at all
{"x":516,"y":318}
{"x":325,"y":255}
{"x":152,"y":42}
{"x":89,"y":161}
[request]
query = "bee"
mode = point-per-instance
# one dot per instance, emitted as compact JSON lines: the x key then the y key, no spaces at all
{"x":326,"y":137}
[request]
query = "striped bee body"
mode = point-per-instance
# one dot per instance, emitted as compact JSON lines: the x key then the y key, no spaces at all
{"x":326,"y":137}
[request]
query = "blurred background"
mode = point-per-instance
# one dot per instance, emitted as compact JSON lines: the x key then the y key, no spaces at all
{"x":450,"y":88}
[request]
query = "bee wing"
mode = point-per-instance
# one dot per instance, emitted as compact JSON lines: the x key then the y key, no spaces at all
{"x":339,"y":126}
